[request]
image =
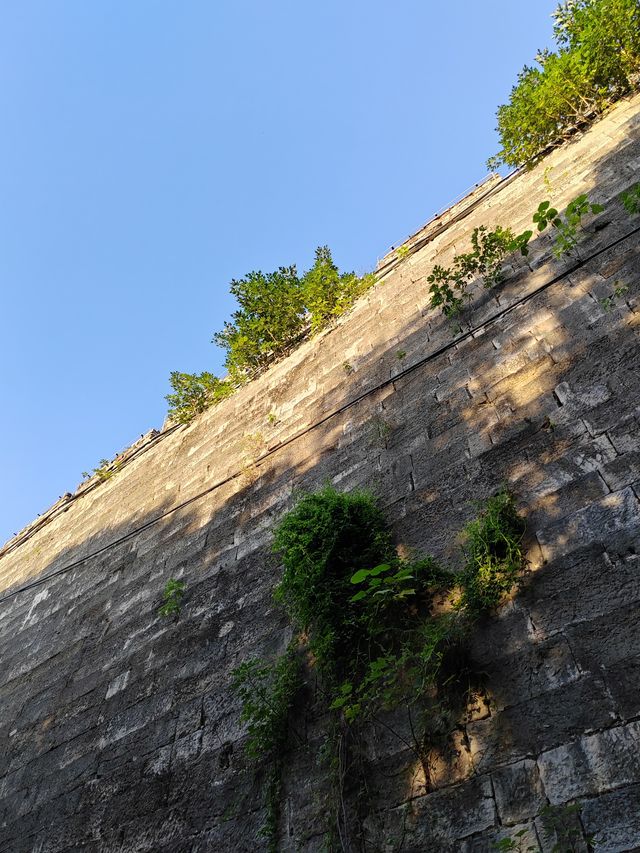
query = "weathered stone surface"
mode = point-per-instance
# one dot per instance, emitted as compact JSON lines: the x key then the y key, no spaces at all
{"x":119,"y":730}
{"x":519,"y":791}
{"x":592,"y":764}
{"x":614,"y":820}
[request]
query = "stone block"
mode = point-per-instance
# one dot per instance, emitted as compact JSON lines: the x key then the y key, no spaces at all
{"x":592,"y":764}
{"x":614,"y":521}
{"x":614,"y":820}
{"x":540,"y":723}
{"x":519,"y":791}
{"x":451,"y":814}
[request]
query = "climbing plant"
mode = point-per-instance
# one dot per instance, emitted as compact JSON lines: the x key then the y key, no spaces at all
{"x":379,"y":631}
{"x":448,"y":286}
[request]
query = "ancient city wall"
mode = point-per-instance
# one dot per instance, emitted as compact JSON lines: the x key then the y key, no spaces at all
{"x":118,"y":729}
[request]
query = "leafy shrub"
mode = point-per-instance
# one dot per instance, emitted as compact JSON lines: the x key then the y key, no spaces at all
{"x":597,"y":61}
{"x":105,"y":470}
{"x":448,"y":286}
{"x":631,"y":199}
{"x":494,"y":554}
{"x":378,"y":629}
{"x":322,"y":541}
{"x":172,"y":594}
{"x":193,"y":393}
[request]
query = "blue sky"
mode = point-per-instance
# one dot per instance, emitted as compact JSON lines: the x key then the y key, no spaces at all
{"x":151,"y":151}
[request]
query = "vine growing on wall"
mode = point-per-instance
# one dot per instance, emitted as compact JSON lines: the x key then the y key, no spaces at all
{"x":378,"y":631}
{"x":489,"y":249}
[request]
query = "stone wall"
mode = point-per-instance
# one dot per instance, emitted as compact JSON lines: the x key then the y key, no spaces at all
{"x":119,"y":730}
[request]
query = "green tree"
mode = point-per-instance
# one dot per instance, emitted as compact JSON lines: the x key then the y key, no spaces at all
{"x":598,"y":61}
{"x":606,"y":36}
{"x":327,"y":292}
{"x":268,"y":322}
{"x":193,"y":393}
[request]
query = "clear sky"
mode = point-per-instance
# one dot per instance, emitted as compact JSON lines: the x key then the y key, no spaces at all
{"x":151,"y":151}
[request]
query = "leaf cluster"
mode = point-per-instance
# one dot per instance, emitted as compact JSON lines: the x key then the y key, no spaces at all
{"x":275,"y":312}
{"x":378,"y":629}
{"x":267,"y":692}
{"x":195,"y":392}
{"x":597,"y":61}
{"x":172,"y":598}
{"x":631,"y":199}
{"x":567,"y":227}
{"x":104,"y":471}
{"x":322,"y":541}
{"x":448,"y":286}
{"x":327,"y":293}
{"x":494,"y":555}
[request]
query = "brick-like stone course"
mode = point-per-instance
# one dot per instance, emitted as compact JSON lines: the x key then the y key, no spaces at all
{"x":119,"y":729}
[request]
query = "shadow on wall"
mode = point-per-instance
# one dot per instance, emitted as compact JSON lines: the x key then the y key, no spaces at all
{"x":119,"y":727}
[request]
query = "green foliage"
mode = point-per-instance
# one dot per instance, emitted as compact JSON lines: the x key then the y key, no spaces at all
{"x":402,"y":251}
{"x":275,"y":312}
{"x":268,"y":322}
{"x":545,"y":215}
{"x":325,"y":538}
{"x":494,"y":554}
{"x":448,"y":286}
{"x":631,"y":199}
{"x":379,"y":630}
{"x":363,"y":608}
{"x":605,"y":34}
{"x":516,"y":843}
{"x":597,"y":61}
{"x":172,"y":595}
{"x":267,"y":692}
{"x":608,"y":303}
{"x":105,"y":470}
{"x":193,"y":393}
{"x":567,"y":227}
{"x":489,"y":249}
{"x":327,"y":293}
